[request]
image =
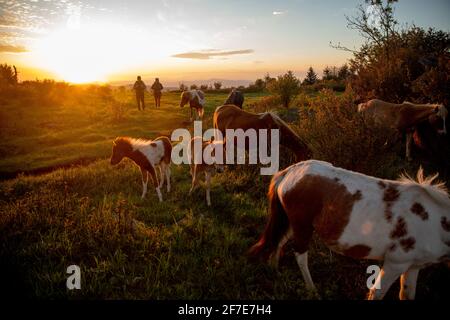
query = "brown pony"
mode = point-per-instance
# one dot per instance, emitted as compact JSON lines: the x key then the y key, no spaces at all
{"x":404,"y":117}
{"x":232,"y":117}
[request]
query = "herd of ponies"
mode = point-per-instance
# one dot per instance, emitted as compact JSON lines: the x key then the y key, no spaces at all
{"x":405,"y":223}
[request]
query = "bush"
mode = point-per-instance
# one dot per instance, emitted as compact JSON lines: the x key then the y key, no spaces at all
{"x":265,"y":104}
{"x":337,"y":133}
{"x":286,"y":88}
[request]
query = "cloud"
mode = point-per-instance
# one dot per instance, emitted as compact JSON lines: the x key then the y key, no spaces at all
{"x":279,"y":13}
{"x":12,"y":49}
{"x":208,"y":54}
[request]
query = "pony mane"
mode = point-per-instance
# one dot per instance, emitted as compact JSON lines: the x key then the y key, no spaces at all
{"x":282,"y":123}
{"x":132,"y":142}
{"x":437,"y":190}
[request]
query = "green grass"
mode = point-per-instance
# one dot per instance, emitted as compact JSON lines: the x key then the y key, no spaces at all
{"x":44,"y":136}
{"x":130,"y":248}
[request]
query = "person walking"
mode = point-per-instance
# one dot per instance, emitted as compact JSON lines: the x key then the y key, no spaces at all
{"x":157,"y":88}
{"x":139,"y":87}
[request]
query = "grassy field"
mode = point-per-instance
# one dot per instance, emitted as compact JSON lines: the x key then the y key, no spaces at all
{"x":92,"y":215}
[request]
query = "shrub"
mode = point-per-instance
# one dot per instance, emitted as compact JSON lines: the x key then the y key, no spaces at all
{"x":337,"y":133}
{"x":286,"y":88}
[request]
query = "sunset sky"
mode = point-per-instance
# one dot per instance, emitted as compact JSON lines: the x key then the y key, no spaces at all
{"x":82,"y":41}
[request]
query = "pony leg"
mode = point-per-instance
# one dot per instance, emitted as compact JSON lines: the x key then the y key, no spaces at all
{"x":161,"y":173}
{"x":194,"y":178}
{"x":276,"y":257}
{"x":409,"y":138}
{"x":208,"y":188}
{"x":302,"y":261}
{"x":154,"y":176}
{"x":168,"y":177}
{"x":144,"y":174}
{"x":385,"y":279}
{"x":408,"y":282}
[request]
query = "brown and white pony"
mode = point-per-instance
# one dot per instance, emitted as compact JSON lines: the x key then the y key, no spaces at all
{"x":403,"y":117}
{"x":232,"y":117}
{"x":405,"y":223}
{"x":208,"y":169}
{"x":196,"y":100}
{"x":148,"y":155}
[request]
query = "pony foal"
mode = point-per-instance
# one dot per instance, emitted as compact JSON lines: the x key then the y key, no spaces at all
{"x":405,"y":223}
{"x":148,"y":155}
{"x":208,"y":169}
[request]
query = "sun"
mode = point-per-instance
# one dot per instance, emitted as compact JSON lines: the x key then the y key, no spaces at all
{"x":88,"y":54}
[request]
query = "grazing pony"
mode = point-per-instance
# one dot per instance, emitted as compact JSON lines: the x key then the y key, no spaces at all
{"x":231,"y":117}
{"x":405,"y":223}
{"x":148,"y":155}
{"x":236,"y":98}
{"x":403,"y":117}
{"x":208,"y":169}
{"x":196,"y":100}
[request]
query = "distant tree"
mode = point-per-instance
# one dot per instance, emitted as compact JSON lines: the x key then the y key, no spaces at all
{"x":326,"y":73}
{"x":8,"y":75}
{"x":285,"y":87}
{"x":260,"y":84}
{"x":193,"y":87}
{"x":204,"y":87}
{"x":182,"y":86}
{"x":268,"y":79}
{"x":311,"y":77}
{"x":217,"y":85}
{"x":343,"y":72}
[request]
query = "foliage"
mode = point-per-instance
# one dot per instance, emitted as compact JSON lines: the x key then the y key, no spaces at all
{"x":311,"y":77}
{"x":397,"y":65}
{"x":286,"y":88}
{"x":217,"y":85}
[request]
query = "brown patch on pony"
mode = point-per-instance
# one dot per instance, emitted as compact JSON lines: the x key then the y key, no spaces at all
{"x":318,"y":203}
{"x":392,"y":247}
{"x":445,"y":224}
{"x":418,"y":209}
{"x":400,"y":229}
{"x":408,"y":243}
{"x":357,"y":195}
{"x":358,"y":251}
{"x":390,"y":195}
{"x":167,"y":148}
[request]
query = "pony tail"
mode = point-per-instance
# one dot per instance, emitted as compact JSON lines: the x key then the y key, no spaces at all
{"x":277,"y":224}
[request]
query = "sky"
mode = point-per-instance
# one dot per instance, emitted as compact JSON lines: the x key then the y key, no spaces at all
{"x":181,"y":40}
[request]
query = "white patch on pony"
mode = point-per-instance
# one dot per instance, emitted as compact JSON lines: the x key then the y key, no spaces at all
{"x":195,"y":93}
{"x":153,"y":154}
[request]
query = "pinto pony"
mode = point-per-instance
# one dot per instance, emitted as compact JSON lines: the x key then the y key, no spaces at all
{"x":405,"y":223}
{"x":148,"y":155}
{"x":404,"y":117}
{"x":232,"y":117}
{"x":208,"y":169}
{"x":196,"y":100}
